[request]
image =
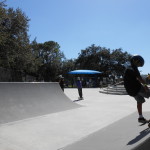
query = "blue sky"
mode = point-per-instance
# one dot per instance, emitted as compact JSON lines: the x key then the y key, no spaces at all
{"x":76,"y":24}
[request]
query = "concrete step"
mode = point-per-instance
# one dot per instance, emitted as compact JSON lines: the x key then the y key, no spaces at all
{"x":113,"y":93}
{"x":116,"y":90}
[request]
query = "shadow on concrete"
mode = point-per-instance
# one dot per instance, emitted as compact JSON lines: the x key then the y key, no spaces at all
{"x":116,"y":136}
{"x":144,"y":146}
{"x":78,"y":100}
{"x":141,"y":135}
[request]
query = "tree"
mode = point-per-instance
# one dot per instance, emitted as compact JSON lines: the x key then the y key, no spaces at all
{"x":49,"y":59}
{"x":94,"y":58}
{"x":102,"y":59}
{"x":15,"y":52}
{"x":118,"y":58}
{"x":67,"y":66}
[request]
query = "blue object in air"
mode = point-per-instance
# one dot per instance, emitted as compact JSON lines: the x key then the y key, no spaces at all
{"x":84,"y":72}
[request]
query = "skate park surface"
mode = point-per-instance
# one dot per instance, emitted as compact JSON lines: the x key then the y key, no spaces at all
{"x":39,"y":116}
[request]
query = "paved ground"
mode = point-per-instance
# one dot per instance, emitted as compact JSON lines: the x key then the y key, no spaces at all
{"x":59,"y":129}
{"x":123,"y":134}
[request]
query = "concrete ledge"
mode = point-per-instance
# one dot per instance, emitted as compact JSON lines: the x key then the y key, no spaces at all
{"x":125,"y":134}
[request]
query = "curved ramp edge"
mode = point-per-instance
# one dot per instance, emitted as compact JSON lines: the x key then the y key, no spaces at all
{"x":22,"y":100}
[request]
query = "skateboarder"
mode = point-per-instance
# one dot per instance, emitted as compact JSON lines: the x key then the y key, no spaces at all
{"x":61,"y":82}
{"x":135,"y":85}
{"x":79,"y":86}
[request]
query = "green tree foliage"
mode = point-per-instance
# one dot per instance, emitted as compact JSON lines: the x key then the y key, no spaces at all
{"x":48,"y":59}
{"x":67,"y":65}
{"x":15,"y":50}
{"x":118,"y":57}
{"x":43,"y":60}
{"x":88,"y":58}
{"x":102,"y":59}
{"x":93,"y":57}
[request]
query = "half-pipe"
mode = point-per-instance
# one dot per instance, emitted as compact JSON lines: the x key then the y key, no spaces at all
{"x":26,"y":100}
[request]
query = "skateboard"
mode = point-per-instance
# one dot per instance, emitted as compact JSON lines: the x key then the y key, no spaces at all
{"x":147,"y":122}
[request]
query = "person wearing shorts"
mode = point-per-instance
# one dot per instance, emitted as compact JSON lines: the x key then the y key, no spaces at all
{"x":135,"y":85}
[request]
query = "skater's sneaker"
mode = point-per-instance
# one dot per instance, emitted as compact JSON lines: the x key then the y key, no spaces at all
{"x":80,"y":98}
{"x":142,"y":120}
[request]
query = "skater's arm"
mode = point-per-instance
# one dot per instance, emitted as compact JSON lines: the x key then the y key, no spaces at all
{"x":141,"y":80}
{"x":143,"y":83}
{"x":138,"y":76}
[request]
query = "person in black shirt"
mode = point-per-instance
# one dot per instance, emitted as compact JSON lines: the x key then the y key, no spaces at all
{"x":61,"y":82}
{"x":135,"y":85}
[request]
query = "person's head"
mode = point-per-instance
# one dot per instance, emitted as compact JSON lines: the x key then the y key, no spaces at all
{"x":61,"y":77}
{"x":137,"y":61}
{"x":78,"y":78}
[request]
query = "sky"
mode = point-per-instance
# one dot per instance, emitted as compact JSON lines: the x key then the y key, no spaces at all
{"x":77,"y":24}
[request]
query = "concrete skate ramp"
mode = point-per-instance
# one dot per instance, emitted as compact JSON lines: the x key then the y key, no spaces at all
{"x":125,"y":134}
{"x":26,"y":100}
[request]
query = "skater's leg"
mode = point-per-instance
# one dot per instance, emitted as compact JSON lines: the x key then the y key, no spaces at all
{"x":141,"y":119}
{"x":139,"y":108}
{"x":80,"y":93}
{"x":140,"y":100}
